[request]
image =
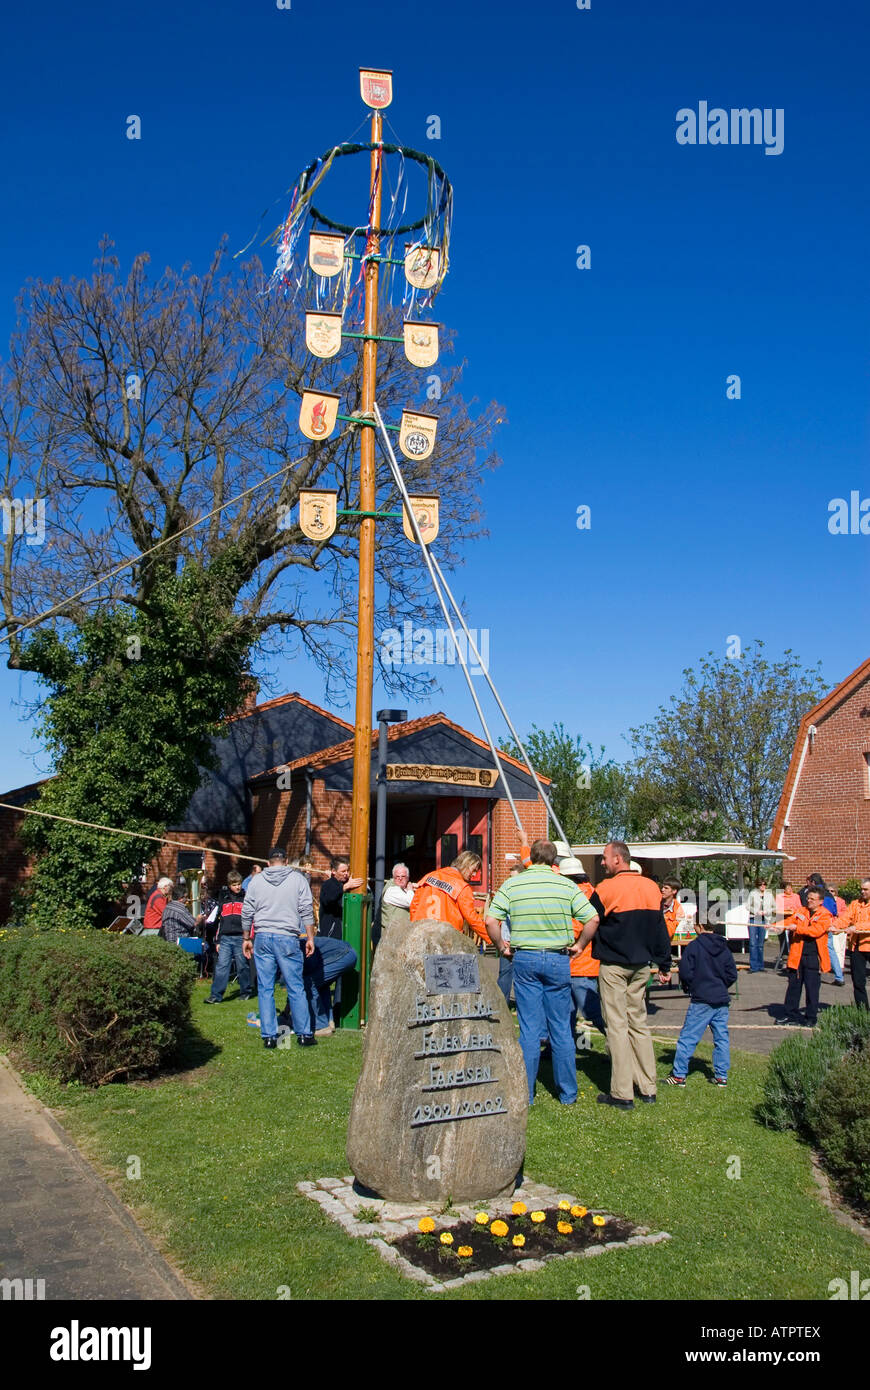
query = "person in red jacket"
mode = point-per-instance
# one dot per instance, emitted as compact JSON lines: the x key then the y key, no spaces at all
{"x":445,"y":896}
{"x":807,"y":957}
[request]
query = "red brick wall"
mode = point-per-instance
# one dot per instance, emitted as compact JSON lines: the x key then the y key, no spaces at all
{"x":14,"y":863}
{"x":829,"y":820}
{"x":533,"y":815}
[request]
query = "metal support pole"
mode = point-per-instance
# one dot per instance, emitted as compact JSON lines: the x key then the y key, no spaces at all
{"x":381,"y":816}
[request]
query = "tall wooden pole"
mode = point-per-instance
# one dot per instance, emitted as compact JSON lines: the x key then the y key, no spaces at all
{"x":362,"y":743}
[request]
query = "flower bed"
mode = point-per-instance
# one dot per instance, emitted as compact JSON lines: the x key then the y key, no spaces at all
{"x":523,"y":1234}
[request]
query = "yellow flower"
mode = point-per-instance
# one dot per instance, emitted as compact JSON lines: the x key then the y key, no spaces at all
{"x":519,"y":1241}
{"x":578,"y":1211}
{"x":482,"y":1218}
{"x":564,"y":1228}
{"x":446,"y":1238}
{"x":598,"y":1221}
{"x":539,"y":1216}
{"x":519,"y":1209}
{"x":564,"y":1206}
{"x":465,"y":1251}
{"x":425,"y":1224}
{"x":499,"y":1228}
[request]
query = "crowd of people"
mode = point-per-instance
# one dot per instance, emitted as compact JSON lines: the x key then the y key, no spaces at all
{"x":567,"y":950}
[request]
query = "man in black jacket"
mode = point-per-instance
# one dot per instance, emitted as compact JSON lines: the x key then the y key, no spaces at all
{"x":228,"y":935}
{"x":706,"y":970}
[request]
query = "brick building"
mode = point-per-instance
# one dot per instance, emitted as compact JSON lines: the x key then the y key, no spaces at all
{"x":823,"y":818}
{"x":284,"y":776}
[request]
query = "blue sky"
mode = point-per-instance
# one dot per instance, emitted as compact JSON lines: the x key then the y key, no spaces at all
{"x":709,"y":517}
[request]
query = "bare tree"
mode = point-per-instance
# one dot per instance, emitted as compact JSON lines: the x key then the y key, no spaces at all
{"x":133,"y":407}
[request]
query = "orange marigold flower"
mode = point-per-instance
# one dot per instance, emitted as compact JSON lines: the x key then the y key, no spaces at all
{"x":564,"y":1206}
{"x":598,"y":1221}
{"x":539,"y":1216}
{"x":425,"y":1224}
{"x":499,"y":1228}
{"x":564,"y":1228}
{"x":519,"y":1241}
{"x":464,"y":1250}
{"x":579,"y":1212}
{"x":482,"y":1218}
{"x":446,"y":1238}
{"x":519,"y":1209}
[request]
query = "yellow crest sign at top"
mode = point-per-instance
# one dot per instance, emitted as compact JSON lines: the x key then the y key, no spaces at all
{"x":318,"y":513}
{"x":421,"y":266}
{"x":326,"y":253}
{"x":417,"y":434}
{"x":425,"y":510}
{"x":421,"y":343}
{"x":322,"y":333}
{"x":376,"y":87}
{"x":318,"y":414}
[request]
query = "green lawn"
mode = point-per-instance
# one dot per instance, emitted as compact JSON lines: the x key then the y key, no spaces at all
{"x":222,"y":1147}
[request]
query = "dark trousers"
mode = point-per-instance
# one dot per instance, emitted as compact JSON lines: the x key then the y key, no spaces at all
{"x":806,"y":977}
{"x":859,"y":960}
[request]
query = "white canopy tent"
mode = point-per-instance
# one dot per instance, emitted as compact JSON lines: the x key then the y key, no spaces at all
{"x":659,"y":858}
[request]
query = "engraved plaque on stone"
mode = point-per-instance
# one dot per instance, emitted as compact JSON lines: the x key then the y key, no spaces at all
{"x":459,"y":974}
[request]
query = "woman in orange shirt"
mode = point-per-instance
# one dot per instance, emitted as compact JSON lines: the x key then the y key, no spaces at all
{"x":445,"y":896}
{"x":808,"y":955}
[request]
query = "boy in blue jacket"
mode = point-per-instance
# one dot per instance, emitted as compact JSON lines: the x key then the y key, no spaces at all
{"x":706,"y":970}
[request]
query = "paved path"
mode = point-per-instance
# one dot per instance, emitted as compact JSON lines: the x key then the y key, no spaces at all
{"x":59,"y":1221}
{"x":752,"y":1019}
{"x":751,"y":1023}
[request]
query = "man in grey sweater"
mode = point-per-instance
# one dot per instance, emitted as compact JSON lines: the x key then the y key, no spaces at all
{"x":279,"y":913}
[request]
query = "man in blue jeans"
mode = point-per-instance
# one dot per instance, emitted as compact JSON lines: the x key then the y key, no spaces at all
{"x":279,"y":912}
{"x":542,"y":907}
{"x":706,"y":970}
{"x":330,"y":959}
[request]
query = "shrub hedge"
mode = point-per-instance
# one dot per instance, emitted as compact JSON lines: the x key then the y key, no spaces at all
{"x":800,"y":1066}
{"x":92,"y":1007}
{"x":840,"y":1116}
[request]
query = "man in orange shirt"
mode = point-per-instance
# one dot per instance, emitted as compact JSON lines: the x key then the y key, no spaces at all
{"x":671,"y":905}
{"x":857,"y":921}
{"x":808,"y":955}
{"x":584,"y":967}
{"x":445,"y":896}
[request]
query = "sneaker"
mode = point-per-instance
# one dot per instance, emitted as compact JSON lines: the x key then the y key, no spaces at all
{"x":787,"y":1022}
{"x":209,"y":1000}
{"x":675,"y":1080}
{"x":647,"y":1100}
{"x":325,"y":1032}
{"x":252,"y":1021}
{"x":306,"y":1040}
{"x":719,"y":1080}
{"x":270,"y":1042}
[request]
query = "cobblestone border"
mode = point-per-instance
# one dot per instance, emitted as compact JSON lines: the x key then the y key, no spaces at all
{"x":339,"y":1199}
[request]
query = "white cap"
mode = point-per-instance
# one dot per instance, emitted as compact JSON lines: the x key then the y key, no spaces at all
{"x":571,"y":866}
{"x":635,"y":867}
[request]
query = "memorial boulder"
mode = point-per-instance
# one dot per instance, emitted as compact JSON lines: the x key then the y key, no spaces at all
{"x":441,"y":1103}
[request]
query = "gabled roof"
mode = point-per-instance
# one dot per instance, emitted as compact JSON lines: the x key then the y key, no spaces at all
{"x":814,"y":716}
{"x":340,"y":752}
{"x":283,"y":700}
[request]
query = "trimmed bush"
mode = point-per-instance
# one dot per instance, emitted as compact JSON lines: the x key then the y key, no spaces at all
{"x":92,"y":1007}
{"x":800,"y":1066}
{"x":840,"y":1116}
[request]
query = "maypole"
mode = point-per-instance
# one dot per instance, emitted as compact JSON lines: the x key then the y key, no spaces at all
{"x":362,"y":739}
{"x":327,"y":274}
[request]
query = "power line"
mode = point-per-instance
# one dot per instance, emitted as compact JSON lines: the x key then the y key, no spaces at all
{"x":136,"y":559}
{"x":130,"y":834}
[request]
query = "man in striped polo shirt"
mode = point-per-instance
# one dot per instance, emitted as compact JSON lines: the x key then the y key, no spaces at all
{"x":542,"y":907}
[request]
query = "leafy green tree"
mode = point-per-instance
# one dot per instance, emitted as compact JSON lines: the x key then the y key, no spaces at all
{"x":720,"y":748}
{"x":589,"y":792}
{"x":133,"y":701}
